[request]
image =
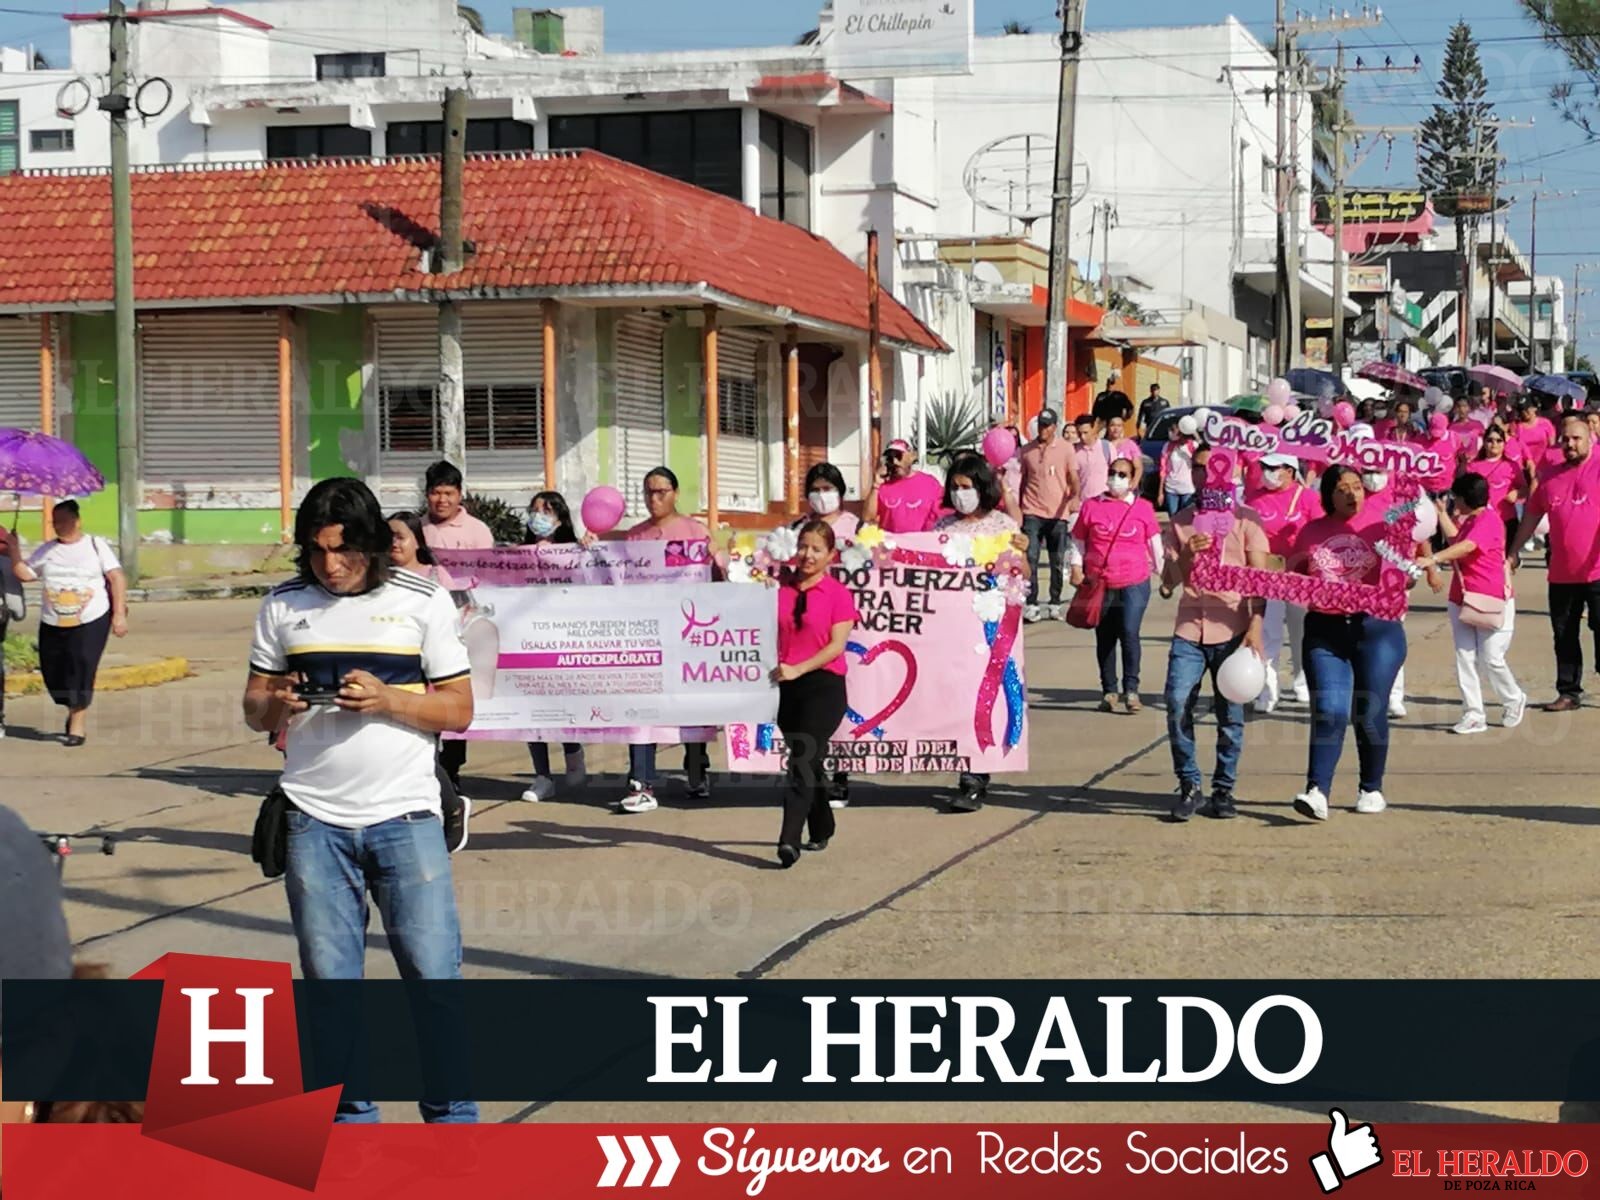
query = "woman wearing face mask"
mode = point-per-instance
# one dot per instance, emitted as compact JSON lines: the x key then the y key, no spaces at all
{"x":825,"y":494}
{"x":1177,"y":489}
{"x":1503,"y":474}
{"x":1118,"y":540}
{"x":1351,"y":660}
{"x":815,"y":616}
{"x":1123,"y":446}
{"x":549,"y":523}
{"x":1285,"y":506}
{"x":974,"y":494}
{"x":664,"y":524}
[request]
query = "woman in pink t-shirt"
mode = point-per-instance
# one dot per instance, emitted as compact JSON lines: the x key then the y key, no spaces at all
{"x":815,"y":616}
{"x":1503,"y":474}
{"x":1118,"y":540}
{"x":1478,"y":548}
{"x":665,"y":524}
{"x":1352,"y":660}
{"x":1123,"y":446}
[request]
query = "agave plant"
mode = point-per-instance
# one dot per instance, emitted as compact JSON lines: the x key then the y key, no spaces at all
{"x":955,"y":425}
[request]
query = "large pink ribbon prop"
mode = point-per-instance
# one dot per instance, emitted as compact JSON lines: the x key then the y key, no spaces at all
{"x":994,"y":673}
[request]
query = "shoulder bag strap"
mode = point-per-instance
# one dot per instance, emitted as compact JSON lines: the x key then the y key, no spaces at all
{"x":1105,"y":558}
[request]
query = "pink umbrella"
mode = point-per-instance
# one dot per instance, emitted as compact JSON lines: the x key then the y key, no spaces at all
{"x":1392,"y":375}
{"x":1496,"y":379}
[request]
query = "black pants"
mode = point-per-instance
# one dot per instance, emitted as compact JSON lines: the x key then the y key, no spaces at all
{"x":809,"y":712}
{"x":69,"y":659}
{"x":1569,"y":602}
{"x":5,"y":620}
{"x":452,"y":757}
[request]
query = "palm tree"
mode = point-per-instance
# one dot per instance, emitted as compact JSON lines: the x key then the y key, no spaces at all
{"x":1328,"y":113}
{"x":1013,"y":28}
{"x":472,"y":17}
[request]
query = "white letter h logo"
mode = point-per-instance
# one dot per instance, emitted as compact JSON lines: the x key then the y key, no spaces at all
{"x":202,"y":1036}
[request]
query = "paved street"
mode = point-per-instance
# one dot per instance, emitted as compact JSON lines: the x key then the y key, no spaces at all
{"x":1483,"y":865}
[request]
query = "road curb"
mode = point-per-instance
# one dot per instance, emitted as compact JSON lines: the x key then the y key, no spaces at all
{"x":221,"y":591}
{"x":109,"y":679}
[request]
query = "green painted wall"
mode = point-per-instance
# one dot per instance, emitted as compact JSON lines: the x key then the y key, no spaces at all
{"x":685,"y":410}
{"x":335,"y":349}
{"x":235,"y":526}
{"x":94,"y":411}
{"x":605,"y":418}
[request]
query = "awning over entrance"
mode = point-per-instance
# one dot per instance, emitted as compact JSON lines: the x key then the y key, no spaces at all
{"x":1190,"y":330}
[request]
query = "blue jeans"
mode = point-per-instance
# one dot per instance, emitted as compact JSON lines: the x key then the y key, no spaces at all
{"x":642,"y":763}
{"x":1120,"y":619}
{"x":1187,"y":667}
{"x":1351,"y":665}
{"x":1048,"y":534}
{"x":1176,"y":503}
{"x":405,"y":866}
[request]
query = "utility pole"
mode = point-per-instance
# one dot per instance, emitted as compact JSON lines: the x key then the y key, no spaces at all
{"x":1056,"y":360}
{"x":448,"y":260}
{"x":130,"y":483}
{"x":1336,"y":342}
{"x":1286,"y":314}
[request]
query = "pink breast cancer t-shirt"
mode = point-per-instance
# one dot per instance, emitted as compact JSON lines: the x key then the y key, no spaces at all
{"x":1504,"y":476}
{"x":676,"y":528}
{"x":1533,"y":439}
{"x":1336,"y":549}
{"x":1484,"y":570}
{"x":1284,"y":513}
{"x":828,"y":603}
{"x":1125,"y":560}
{"x":1570,"y":496}
{"x":909,"y":505}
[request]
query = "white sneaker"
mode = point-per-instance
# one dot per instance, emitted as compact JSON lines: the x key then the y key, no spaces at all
{"x":1030,"y":614}
{"x":1397,"y":709}
{"x":1515,"y":710}
{"x":1302,"y":693}
{"x":1312,"y":803}
{"x":1371,"y":802}
{"x":1055,"y":612}
{"x":1268,"y":700}
{"x":542,"y":788}
{"x":638,"y":800}
{"x":1470,"y":724}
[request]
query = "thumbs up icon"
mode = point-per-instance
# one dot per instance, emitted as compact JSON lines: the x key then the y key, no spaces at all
{"x":1350,"y":1152}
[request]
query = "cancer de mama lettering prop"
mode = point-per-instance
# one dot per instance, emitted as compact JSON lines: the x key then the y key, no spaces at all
{"x":1312,"y":439}
{"x":935,"y":678}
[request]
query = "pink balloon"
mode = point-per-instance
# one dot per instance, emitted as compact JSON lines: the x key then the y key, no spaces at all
{"x":1291,"y":411}
{"x":1279,"y":391}
{"x":999,"y":446}
{"x":1438,"y":424}
{"x":1344,"y":414}
{"x":602,"y":509}
{"x":1274,"y":414}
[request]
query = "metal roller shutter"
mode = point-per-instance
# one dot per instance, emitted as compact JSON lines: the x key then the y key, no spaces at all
{"x":739,"y":422}
{"x":19,"y":373}
{"x":641,"y":404}
{"x":208,"y":383}
{"x":503,"y":367}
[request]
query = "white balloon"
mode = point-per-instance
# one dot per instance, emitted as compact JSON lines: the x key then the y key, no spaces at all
{"x":1188,"y":426}
{"x":1432,"y":396}
{"x":1033,"y":428}
{"x":1427,"y":521}
{"x":1241,"y":676}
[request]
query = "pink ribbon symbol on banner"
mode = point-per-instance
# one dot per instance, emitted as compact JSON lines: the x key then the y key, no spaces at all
{"x":692,"y":620}
{"x":901,"y":696}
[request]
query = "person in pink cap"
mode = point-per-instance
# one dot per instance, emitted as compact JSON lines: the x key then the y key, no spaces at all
{"x":1285,"y":506}
{"x":904,"y":500}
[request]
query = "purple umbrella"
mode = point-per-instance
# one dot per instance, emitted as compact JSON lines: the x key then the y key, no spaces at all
{"x":37,"y":464}
{"x":1393,"y":375}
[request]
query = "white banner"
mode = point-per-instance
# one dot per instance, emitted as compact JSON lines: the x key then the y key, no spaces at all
{"x":558,"y":657}
{"x":875,"y":39}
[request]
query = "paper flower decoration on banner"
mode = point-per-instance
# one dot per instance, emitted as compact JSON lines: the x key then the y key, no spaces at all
{"x":988,"y":547}
{"x":855,"y":557}
{"x":782,"y":544}
{"x":740,"y":570}
{"x":871,"y":536}
{"x":958,"y":550}
{"x":990,"y":606}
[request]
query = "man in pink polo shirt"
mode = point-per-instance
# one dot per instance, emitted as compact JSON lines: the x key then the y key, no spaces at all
{"x":451,"y":527}
{"x":1049,"y":481}
{"x":1570,"y":496}
{"x":905,"y":500}
{"x":1094,"y":457}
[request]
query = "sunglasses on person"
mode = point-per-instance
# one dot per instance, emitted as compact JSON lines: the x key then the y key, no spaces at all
{"x":1121,"y":475}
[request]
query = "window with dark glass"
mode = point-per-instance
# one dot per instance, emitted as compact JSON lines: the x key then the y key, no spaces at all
{"x":484,"y":136}
{"x":318,"y":141}
{"x":702,"y":147}
{"x":10,"y":147}
{"x":738,"y":412}
{"x":46,"y":141}
{"x":499,"y":416}
{"x":785,"y":170}
{"x":351,"y":66}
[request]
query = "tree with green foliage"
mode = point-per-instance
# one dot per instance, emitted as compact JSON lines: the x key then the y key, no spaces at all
{"x":1573,"y":27}
{"x":1457,"y":149}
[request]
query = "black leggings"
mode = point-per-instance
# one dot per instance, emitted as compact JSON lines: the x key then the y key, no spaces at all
{"x":69,"y":659}
{"x":809,"y":712}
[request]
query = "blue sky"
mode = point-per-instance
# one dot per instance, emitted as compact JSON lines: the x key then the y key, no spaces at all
{"x":1519,"y":65}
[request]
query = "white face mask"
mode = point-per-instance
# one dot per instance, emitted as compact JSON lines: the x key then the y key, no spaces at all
{"x":965,"y":500}
{"x":824,"y":503}
{"x":1119,"y":485}
{"x":1273,"y":481}
{"x":1374,"y":481}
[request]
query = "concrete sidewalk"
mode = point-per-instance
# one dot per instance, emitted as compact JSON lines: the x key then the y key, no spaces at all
{"x":1482,"y":867}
